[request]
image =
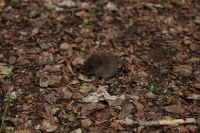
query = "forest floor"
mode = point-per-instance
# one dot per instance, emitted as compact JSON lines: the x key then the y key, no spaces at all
{"x":43,"y":47}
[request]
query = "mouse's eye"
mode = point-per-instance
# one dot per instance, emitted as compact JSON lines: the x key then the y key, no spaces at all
{"x":90,"y":67}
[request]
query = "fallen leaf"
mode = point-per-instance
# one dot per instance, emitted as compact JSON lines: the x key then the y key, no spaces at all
{"x":64,"y":46}
{"x":116,"y":126}
{"x":84,"y":78}
{"x":78,"y":61}
{"x":91,"y":107}
{"x":174,"y":109}
{"x":67,"y":94}
{"x":73,"y":82}
{"x":101,"y":95}
{"x":44,"y":59}
{"x":5,"y":69}
{"x":86,"y":122}
{"x":126,"y":111}
{"x":184,"y":70}
{"x":49,"y":126}
{"x":111,"y":6}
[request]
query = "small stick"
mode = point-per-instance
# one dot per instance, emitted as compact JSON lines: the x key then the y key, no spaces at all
{"x":167,"y":122}
{"x":170,"y":122}
{"x":72,"y":9}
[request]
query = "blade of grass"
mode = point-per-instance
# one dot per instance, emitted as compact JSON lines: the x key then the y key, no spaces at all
{"x":8,"y":101}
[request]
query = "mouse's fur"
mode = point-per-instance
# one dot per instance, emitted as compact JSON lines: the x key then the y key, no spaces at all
{"x":101,"y":64}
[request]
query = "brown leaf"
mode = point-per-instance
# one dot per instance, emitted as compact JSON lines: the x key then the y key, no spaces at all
{"x":35,"y":31}
{"x":45,"y":46}
{"x":67,"y":93}
{"x":7,"y":88}
{"x":54,"y":79}
{"x":184,"y":70}
{"x":49,"y":125}
{"x":101,"y":116}
{"x":140,"y":112}
{"x":194,"y":47}
{"x":64,"y":46}
{"x":48,"y":110}
{"x":85,"y":89}
{"x":192,"y":59}
{"x":116,"y":126}
{"x":49,"y":98}
{"x":126,"y":111}
{"x":78,"y":61}
{"x":7,"y":16}
{"x":117,"y":102}
{"x":51,"y":68}
{"x":73,"y":82}
{"x":12,"y":59}
{"x":29,"y":98}
{"x":69,"y":68}
{"x":111,"y":6}
{"x":86,"y":122}
{"x":91,"y":107}
{"x":4,"y":69}
{"x":84,"y":78}
{"x":44,"y":59}
{"x":138,"y":105}
{"x":174,"y":109}
{"x":43,"y":82}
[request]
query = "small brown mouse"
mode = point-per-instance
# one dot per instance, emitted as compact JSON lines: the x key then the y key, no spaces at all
{"x":101,"y":64}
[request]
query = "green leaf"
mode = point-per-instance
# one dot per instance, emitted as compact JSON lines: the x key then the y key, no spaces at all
{"x":38,"y":40}
{"x":9,"y":74}
{"x":15,"y":1}
{"x":85,"y":21}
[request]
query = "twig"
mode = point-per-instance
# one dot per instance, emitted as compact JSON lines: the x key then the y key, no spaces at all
{"x":129,"y":121}
{"x":193,"y":96}
{"x":95,"y":5}
{"x":167,"y":122}
{"x":71,"y":9}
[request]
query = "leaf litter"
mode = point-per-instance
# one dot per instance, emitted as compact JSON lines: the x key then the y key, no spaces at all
{"x":45,"y":44}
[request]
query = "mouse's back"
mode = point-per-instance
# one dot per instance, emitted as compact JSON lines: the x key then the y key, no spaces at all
{"x":101,"y":64}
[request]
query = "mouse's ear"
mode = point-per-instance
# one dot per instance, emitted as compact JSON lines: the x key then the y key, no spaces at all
{"x":99,"y":62}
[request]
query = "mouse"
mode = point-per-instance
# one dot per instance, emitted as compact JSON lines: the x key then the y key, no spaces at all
{"x":101,"y":64}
